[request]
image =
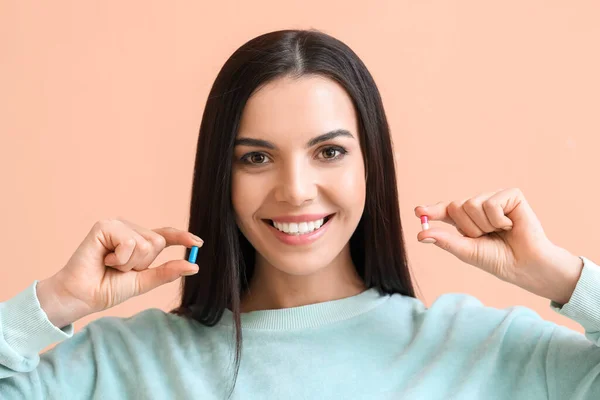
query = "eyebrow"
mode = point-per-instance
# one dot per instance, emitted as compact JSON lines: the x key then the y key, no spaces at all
{"x":316,"y":140}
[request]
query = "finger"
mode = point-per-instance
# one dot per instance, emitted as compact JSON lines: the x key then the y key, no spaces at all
{"x":161,"y":238}
{"x":127,"y":261}
{"x":176,"y":237}
{"x":114,"y":236}
{"x":171,"y":236}
{"x":435,"y":212}
{"x":463,"y":220}
{"x":474,"y":209}
{"x":502,"y":204}
{"x":152,"y":278}
{"x":143,"y":251}
{"x":157,"y":244}
{"x":462,"y":247}
{"x":121,"y":253}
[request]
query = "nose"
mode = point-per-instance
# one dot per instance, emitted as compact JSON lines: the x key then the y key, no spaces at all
{"x":296,"y":184}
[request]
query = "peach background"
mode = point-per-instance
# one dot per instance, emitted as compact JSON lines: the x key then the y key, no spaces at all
{"x":100,"y":105}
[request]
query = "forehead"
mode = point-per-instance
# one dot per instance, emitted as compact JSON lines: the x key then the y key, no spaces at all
{"x":297,"y":107}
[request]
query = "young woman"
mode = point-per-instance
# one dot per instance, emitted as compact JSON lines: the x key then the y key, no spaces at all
{"x":303,"y":289}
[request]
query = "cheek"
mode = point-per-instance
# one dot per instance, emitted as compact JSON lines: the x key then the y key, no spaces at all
{"x":241,"y":197}
{"x":349,"y":189}
{"x":246,"y":198}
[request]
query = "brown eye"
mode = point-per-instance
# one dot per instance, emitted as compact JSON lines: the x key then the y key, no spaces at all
{"x":257,"y":158}
{"x":329,"y":152}
{"x":254,"y":159}
{"x":333,"y":153}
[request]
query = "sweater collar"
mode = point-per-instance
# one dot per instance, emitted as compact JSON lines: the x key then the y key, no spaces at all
{"x":308,"y":316}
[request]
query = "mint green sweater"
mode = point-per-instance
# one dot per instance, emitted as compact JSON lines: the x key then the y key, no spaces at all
{"x":367,"y":346}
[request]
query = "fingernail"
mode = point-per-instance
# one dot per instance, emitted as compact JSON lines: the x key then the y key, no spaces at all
{"x":507,"y":228}
{"x":190,"y":272}
{"x":428,"y":240}
{"x":197,"y":239}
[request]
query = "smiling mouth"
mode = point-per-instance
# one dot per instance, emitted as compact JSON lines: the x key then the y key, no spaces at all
{"x":299,"y":228}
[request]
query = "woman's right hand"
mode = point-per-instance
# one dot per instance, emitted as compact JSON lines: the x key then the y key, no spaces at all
{"x":111,"y":266}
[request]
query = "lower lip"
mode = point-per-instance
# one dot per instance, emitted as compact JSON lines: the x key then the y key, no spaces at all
{"x":297,"y":240}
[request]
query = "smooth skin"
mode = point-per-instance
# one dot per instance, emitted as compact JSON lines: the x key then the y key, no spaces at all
{"x":499,"y":233}
{"x":110,"y":266}
{"x":292,"y":177}
{"x":292,"y":170}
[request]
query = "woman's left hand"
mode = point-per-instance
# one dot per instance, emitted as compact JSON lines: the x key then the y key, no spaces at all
{"x":502,"y":235}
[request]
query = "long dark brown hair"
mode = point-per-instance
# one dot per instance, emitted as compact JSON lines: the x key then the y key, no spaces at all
{"x":226,"y":259}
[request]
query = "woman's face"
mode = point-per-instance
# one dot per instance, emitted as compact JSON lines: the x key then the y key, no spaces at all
{"x":298,"y":179}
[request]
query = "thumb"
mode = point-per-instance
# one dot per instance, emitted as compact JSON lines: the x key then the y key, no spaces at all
{"x":464,"y":248}
{"x":152,"y":278}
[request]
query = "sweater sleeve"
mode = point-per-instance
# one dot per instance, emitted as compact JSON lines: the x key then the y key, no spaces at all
{"x":572,"y":362}
{"x":584,"y":305}
{"x":25,"y":331}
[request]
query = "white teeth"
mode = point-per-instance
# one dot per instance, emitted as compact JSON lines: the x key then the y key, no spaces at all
{"x":301,"y":228}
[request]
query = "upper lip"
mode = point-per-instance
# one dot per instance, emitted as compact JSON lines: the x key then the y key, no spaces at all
{"x":299,"y":218}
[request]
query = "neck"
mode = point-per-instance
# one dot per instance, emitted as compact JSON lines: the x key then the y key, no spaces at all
{"x":271,"y":288}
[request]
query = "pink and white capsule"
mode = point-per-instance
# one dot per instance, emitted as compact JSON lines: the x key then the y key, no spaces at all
{"x":424,"y":222}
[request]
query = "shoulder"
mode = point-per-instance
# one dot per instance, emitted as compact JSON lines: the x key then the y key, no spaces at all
{"x":148,"y":318}
{"x":465,"y":305}
{"x":467,"y":315}
{"x":152,"y":326}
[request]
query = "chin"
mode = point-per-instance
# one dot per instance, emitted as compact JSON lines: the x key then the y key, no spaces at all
{"x":299,"y":264}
